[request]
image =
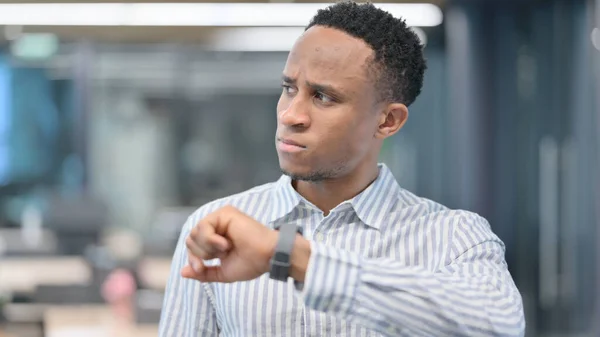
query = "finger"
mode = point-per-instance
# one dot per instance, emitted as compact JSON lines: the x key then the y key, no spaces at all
{"x":206,"y":274}
{"x":220,"y":219}
{"x":220,"y":243}
{"x":210,"y":248}
{"x":206,"y":238}
{"x":194,"y":249}
{"x":195,"y":265}
{"x":195,"y":262}
{"x":188,"y":272}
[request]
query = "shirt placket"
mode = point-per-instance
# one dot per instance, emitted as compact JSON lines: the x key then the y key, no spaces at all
{"x":317,"y":326}
{"x":310,"y":318}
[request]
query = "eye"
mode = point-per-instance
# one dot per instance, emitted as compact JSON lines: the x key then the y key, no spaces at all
{"x":323,"y":98}
{"x":288,"y":89}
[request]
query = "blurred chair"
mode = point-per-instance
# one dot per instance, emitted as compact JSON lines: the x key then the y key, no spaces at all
{"x":77,"y":221}
{"x":165,"y":229}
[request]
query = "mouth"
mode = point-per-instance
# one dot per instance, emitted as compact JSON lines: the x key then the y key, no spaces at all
{"x":288,"y":145}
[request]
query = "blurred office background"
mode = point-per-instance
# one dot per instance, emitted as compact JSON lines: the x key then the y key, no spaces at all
{"x":118,"y":120}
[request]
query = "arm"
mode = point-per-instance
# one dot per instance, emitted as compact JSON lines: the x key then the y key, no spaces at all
{"x":473,"y":295}
{"x":187,"y":308}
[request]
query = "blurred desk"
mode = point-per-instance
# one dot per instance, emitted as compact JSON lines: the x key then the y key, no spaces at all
{"x":21,"y":330}
{"x":24,"y":312}
{"x":5,"y":334}
{"x":23,"y":319}
{"x":90,"y":321}
{"x":154,"y":272}
{"x":146,"y":330}
{"x":24,"y":274}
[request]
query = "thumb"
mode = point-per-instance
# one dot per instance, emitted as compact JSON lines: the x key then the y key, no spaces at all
{"x":203,"y":274}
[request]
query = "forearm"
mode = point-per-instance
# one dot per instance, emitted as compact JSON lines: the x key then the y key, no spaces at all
{"x":388,"y":296}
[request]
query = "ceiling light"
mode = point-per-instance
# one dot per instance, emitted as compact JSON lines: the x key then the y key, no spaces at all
{"x":265,"y":38}
{"x":192,"y":14}
{"x":421,"y":34}
{"x":255,"y":39}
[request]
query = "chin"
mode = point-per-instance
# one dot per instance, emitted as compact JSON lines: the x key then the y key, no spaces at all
{"x":305,"y":173}
{"x":291,"y":169}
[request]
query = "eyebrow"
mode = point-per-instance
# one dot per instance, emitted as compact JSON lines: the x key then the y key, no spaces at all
{"x":325,"y":88}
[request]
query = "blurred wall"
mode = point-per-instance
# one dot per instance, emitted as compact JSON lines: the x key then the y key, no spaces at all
{"x":524,"y":140}
{"x":131,"y":156}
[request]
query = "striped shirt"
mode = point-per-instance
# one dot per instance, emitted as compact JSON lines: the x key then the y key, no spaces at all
{"x":385,"y":263}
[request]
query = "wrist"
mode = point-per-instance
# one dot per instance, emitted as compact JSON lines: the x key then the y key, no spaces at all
{"x":299,"y":258}
{"x":273,"y":237}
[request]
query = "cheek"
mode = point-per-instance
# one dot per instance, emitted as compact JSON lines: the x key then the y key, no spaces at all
{"x":361,"y":136}
{"x":348,"y":136}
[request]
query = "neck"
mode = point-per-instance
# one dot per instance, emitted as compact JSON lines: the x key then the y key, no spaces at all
{"x":329,"y":193}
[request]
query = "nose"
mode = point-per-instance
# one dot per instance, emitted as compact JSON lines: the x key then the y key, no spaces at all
{"x":295,"y":114}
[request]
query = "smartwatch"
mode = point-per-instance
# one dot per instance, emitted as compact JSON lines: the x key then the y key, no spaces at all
{"x":281,"y":260}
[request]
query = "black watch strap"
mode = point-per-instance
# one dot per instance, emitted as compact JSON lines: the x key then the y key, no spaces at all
{"x":281,"y":261}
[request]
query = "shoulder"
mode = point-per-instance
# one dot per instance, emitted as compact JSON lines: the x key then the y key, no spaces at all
{"x":456,"y":231}
{"x":253,"y":202}
{"x":459,"y":224}
{"x":423,"y":209}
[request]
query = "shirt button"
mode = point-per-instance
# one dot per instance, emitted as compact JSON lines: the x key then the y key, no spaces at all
{"x":320,"y":237}
{"x":391,"y":330}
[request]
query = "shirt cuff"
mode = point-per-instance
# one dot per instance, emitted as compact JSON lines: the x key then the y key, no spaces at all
{"x":332,"y":279}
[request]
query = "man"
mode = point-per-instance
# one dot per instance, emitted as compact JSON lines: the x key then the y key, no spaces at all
{"x":374,"y":259}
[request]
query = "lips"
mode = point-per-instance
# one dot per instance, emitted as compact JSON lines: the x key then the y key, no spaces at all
{"x":289,"y":146}
{"x":291,"y":142}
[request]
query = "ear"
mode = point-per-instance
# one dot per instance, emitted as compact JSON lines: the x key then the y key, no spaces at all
{"x":391,"y":120}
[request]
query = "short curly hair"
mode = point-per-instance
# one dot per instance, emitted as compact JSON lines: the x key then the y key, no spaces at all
{"x":398,"y":53}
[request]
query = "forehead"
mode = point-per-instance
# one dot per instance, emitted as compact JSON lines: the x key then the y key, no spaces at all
{"x":323,"y":53}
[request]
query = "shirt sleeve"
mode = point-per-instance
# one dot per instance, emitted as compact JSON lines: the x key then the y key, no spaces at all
{"x":472,"y":295}
{"x":188,"y":309}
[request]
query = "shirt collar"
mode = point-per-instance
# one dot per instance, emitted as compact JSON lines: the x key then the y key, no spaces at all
{"x":285,"y":198}
{"x":371,"y":205}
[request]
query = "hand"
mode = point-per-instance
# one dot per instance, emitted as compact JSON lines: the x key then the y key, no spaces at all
{"x":243,"y":245}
